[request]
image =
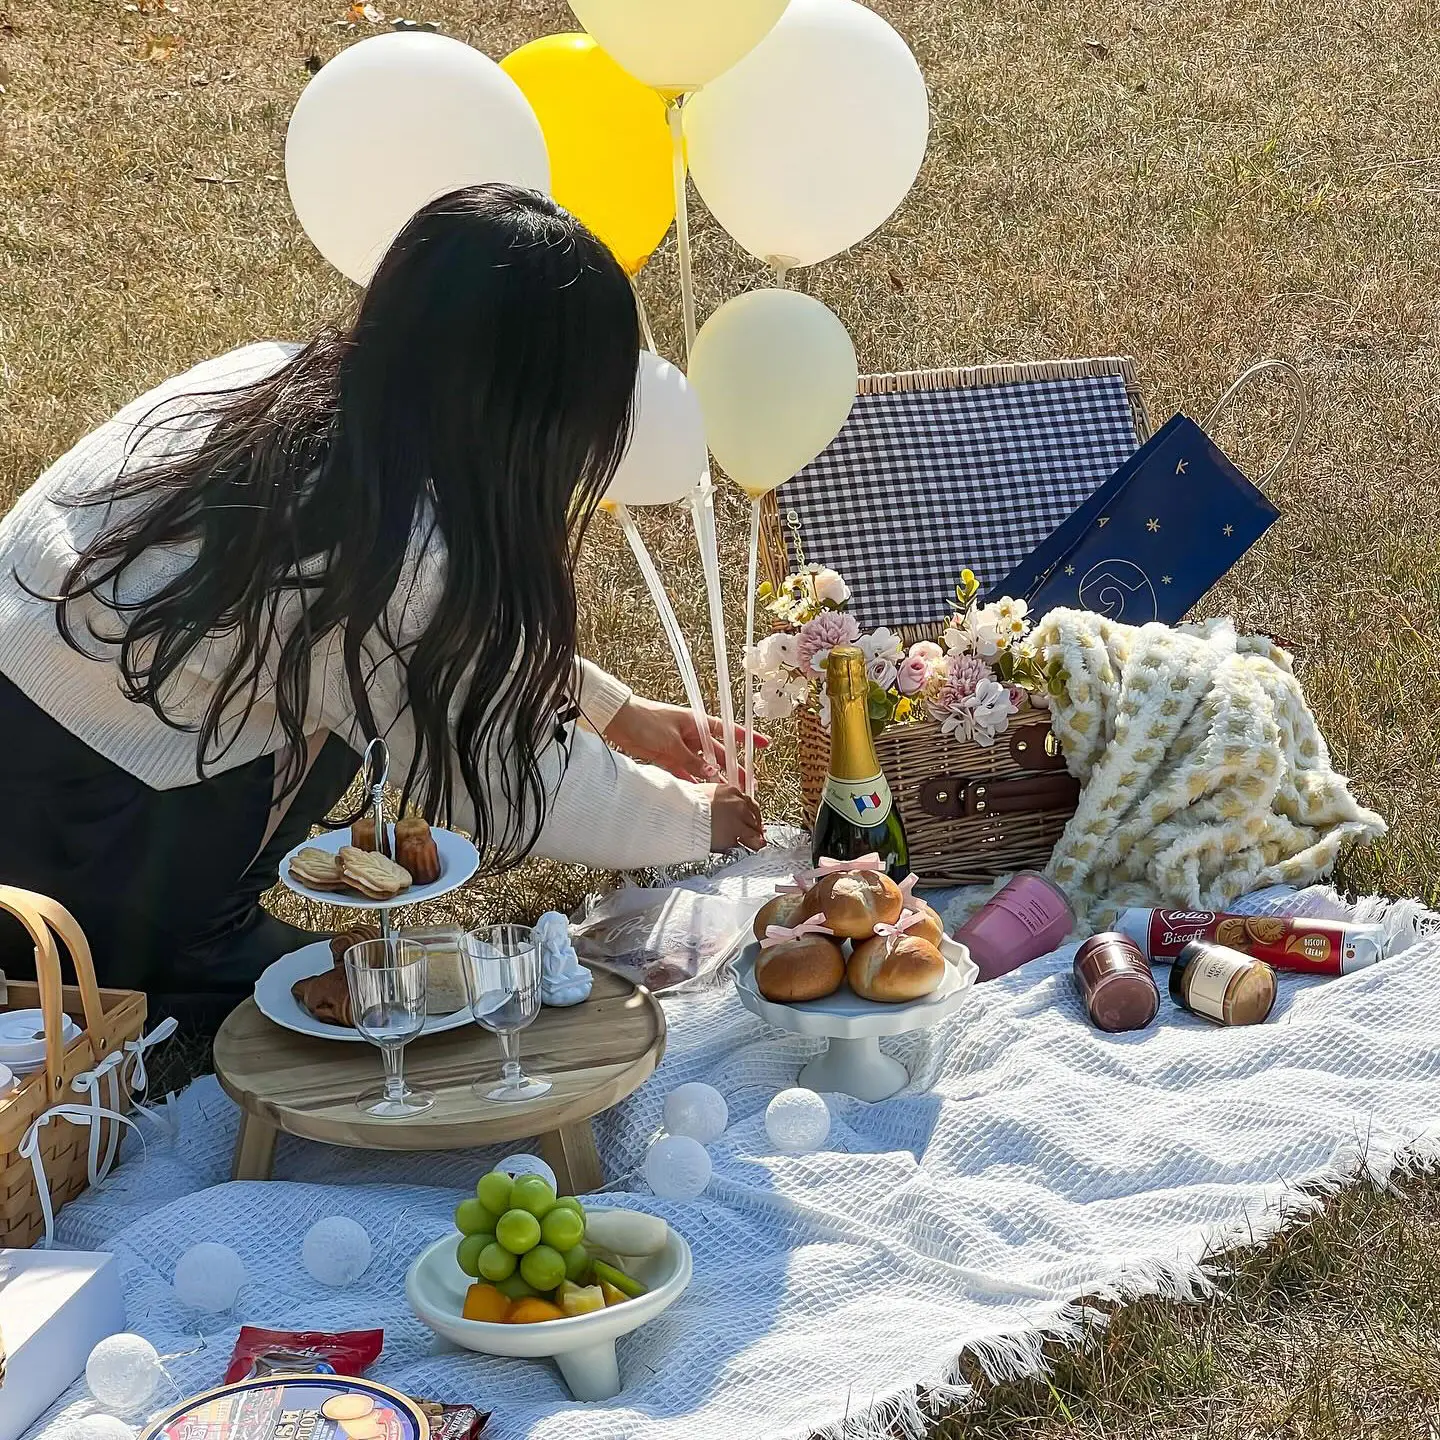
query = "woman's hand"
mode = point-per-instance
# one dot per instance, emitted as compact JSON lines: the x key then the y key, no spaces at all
{"x":734,"y":819}
{"x":667,"y":736}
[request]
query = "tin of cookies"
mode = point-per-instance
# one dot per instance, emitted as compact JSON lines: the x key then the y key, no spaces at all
{"x":374,"y":876}
{"x":1230,"y":932}
{"x":367,"y":1427}
{"x":317,"y":869}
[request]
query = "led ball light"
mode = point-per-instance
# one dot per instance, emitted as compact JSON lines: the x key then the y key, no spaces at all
{"x":123,"y":1372}
{"x":209,"y":1277}
{"x":336,"y":1251}
{"x":697,"y":1110}
{"x":99,"y":1427}
{"x":517,"y":1165}
{"x":797,"y":1122}
{"x":677,"y":1167}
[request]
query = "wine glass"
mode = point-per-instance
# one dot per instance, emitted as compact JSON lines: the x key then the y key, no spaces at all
{"x":502,"y":979}
{"x":387,"y":980}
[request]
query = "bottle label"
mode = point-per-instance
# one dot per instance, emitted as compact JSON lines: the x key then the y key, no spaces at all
{"x":1209,"y":978}
{"x":861,"y":802}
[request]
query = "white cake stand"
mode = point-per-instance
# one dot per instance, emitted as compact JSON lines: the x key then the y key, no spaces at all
{"x":853,"y":1063}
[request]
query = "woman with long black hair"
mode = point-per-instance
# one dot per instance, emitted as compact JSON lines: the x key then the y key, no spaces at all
{"x":212,"y":602}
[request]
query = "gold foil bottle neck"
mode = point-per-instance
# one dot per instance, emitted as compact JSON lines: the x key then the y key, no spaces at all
{"x":845,"y":676}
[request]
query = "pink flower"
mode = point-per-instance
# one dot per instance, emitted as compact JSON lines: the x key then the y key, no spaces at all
{"x":927,"y":650}
{"x":914,"y":671}
{"x":818,"y":637}
{"x":962,"y":679}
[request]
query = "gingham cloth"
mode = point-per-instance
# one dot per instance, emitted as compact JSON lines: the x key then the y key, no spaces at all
{"x":1033,"y":1162}
{"x":920,"y":484}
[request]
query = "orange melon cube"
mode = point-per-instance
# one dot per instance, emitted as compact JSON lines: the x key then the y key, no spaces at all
{"x":530,"y":1311}
{"x":485,"y":1302}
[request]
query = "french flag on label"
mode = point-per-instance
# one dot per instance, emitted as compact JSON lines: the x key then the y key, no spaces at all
{"x":867,"y":802}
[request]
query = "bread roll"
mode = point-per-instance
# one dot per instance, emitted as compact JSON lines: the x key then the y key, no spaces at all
{"x":854,"y":903}
{"x":930,"y":927}
{"x":805,"y":969}
{"x":787,"y":909}
{"x":895,"y":968}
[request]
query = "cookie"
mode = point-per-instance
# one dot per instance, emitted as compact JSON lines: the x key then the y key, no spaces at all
{"x":1230,"y":932}
{"x":355,"y":935}
{"x":1266,"y":930}
{"x":347,"y":1407}
{"x":317,"y":869}
{"x":372,"y":875}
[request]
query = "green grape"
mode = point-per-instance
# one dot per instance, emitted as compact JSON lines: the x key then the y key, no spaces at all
{"x":569,"y":1202}
{"x":533,"y":1193}
{"x":495,"y":1262}
{"x":493,"y":1191}
{"x":562,"y":1228}
{"x":467,"y":1253}
{"x":577,"y":1264}
{"x":515,"y":1288}
{"x":518,"y":1231}
{"x":472,"y":1218}
{"x":543,"y":1267}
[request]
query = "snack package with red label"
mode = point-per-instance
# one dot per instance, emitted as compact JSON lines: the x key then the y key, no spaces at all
{"x":1285,"y":942}
{"x":260,"y":1352}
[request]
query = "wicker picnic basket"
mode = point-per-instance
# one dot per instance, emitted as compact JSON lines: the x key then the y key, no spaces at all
{"x":970,"y":813}
{"x":108,"y":1019}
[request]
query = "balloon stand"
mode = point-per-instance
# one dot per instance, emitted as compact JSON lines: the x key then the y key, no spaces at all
{"x":702,"y":505}
{"x":670,"y":622}
{"x":751,"y":586}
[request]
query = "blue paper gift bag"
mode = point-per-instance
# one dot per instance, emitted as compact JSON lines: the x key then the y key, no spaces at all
{"x":1151,"y":541}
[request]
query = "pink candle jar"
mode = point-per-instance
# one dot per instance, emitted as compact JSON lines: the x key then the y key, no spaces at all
{"x":1026,"y":919}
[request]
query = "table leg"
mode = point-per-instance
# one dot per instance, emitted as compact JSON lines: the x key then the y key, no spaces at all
{"x":254,"y":1149}
{"x":570,"y":1152}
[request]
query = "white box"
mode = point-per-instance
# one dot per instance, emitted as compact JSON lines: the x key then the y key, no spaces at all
{"x":55,"y":1307}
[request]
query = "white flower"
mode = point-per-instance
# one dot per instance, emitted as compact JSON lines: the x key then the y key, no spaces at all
{"x":1010,"y":610}
{"x":773,"y":700}
{"x":825,"y":709}
{"x":829,"y":586}
{"x":958,"y":640}
{"x":774,"y":656}
{"x":990,"y":709}
{"x":927,"y":650}
{"x":798,"y":689}
{"x":881,"y":672}
{"x":882,"y":644}
{"x":986,"y":631}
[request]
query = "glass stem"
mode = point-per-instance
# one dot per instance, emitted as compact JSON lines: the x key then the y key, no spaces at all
{"x":510,"y":1071}
{"x":394,"y":1059}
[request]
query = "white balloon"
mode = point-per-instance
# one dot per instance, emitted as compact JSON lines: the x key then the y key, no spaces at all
{"x":666,"y":458}
{"x":776,"y":374}
{"x":394,"y":122}
{"x":814,"y":138}
{"x":797,"y":1122}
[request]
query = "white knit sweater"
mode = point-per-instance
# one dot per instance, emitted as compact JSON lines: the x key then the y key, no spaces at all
{"x":605,"y":810}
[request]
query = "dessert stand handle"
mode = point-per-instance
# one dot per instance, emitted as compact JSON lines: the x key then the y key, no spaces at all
{"x":377,"y":772}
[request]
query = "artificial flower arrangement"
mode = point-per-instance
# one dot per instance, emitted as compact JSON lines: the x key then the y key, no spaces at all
{"x":971,"y":682}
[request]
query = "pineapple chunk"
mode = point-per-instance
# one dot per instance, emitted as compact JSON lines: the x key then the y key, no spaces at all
{"x":576,"y":1299}
{"x":612,"y":1295}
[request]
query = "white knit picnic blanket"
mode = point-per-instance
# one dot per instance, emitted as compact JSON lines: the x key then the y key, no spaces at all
{"x":1032,"y":1162}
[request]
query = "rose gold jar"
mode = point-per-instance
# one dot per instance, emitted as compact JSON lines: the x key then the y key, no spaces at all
{"x":1116,"y":984}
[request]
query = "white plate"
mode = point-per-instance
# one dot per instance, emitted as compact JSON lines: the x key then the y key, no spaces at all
{"x":583,"y":1346}
{"x":459,"y":860}
{"x":845,"y":1016}
{"x":275,"y":1002}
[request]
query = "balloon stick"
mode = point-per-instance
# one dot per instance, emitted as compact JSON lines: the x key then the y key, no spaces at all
{"x":751,"y":585}
{"x":702,"y":505}
{"x":682,"y":226}
{"x":673,"y":633}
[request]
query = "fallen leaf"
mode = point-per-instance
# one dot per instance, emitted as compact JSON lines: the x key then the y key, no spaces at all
{"x":896,"y":283}
{"x":364,"y":14}
{"x":1098,"y":48}
{"x":313,"y":64}
{"x":159,"y":48}
{"x":214,"y":180}
{"x":431,"y":25}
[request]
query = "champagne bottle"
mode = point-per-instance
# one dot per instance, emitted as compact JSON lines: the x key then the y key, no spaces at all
{"x":857,"y":812}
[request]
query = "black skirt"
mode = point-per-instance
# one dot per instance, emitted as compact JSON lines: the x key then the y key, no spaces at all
{"x":165,"y":883}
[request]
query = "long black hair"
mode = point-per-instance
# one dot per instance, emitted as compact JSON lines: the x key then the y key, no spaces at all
{"x":469,"y":419}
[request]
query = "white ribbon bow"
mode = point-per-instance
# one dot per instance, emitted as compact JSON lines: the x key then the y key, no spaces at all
{"x":30,"y":1150}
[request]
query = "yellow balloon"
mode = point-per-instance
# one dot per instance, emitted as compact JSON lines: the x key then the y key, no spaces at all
{"x":678,"y":45}
{"x":608,"y":138}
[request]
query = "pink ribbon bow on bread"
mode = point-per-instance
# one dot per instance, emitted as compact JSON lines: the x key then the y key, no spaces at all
{"x":780,"y":934}
{"x":907,"y":921}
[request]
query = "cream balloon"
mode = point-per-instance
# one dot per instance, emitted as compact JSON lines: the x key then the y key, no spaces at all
{"x":814,"y":138}
{"x":666,"y":457}
{"x":394,"y":122}
{"x":677,"y":45}
{"x":776,"y":375}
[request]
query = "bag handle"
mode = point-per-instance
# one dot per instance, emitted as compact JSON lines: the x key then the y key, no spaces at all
{"x":44,"y":919}
{"x":1280,"y":369}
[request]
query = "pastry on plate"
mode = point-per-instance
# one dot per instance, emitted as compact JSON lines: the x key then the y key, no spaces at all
{"x":930,"y":927}
{"x":362,"y":833}
{"x":895,"y":968}
{"x":854,"y":902}
{"x":317,"y":869}
{"x":415,"y":850}
{"x":370,"y":874}
{"x":809,"y":968}
{"x":326,"y":997}
{"x":787,"y":908}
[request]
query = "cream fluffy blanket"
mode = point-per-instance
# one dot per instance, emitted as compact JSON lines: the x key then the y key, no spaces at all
{"x":1205,"y":774}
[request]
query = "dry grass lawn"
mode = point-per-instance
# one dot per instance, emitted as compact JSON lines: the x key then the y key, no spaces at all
{"x":1195,"y":184}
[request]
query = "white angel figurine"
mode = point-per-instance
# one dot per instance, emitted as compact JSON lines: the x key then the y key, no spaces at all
{"x":563,"y":979}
